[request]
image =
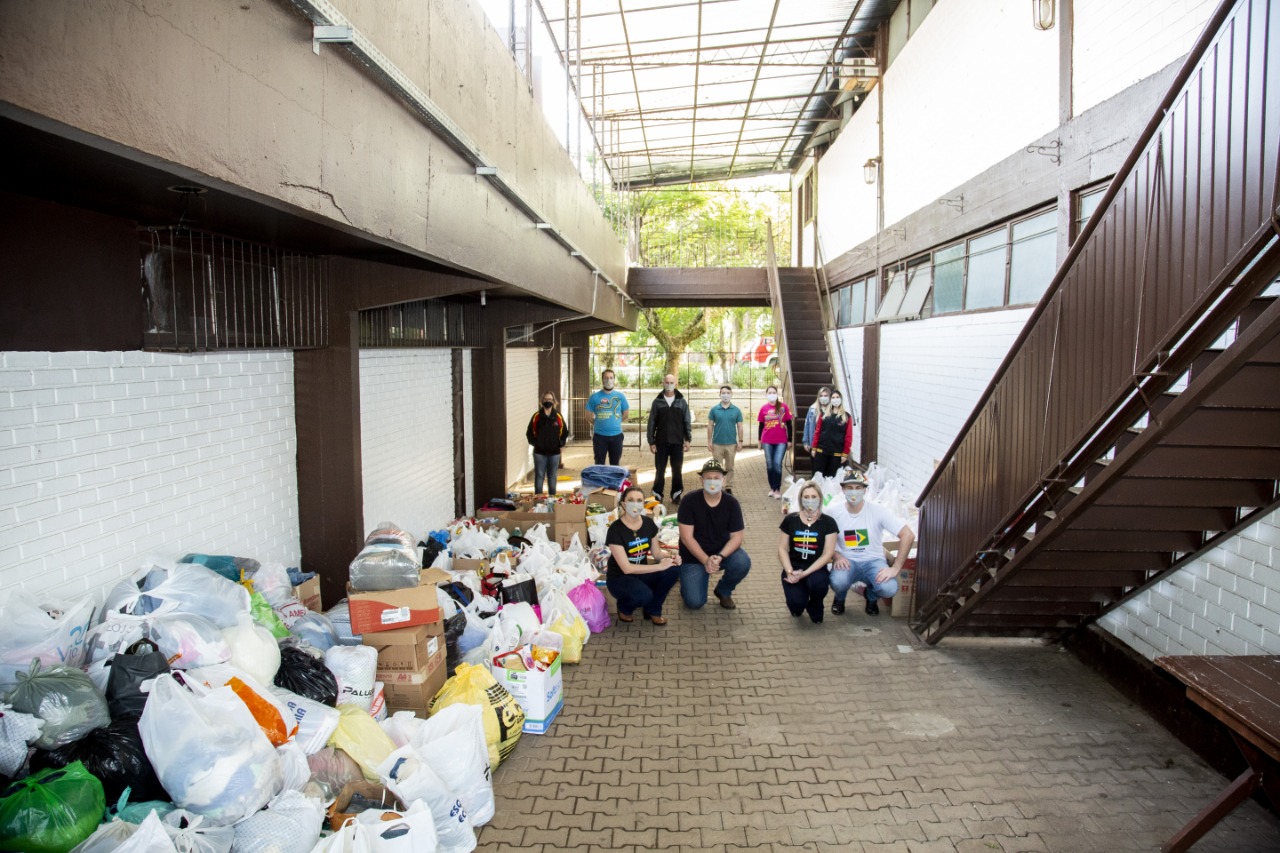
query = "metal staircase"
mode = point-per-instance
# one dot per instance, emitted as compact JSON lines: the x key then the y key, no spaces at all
{"x":1135,"y":422}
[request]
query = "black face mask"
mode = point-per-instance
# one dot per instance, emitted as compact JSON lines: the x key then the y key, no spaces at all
{"x":548,"y":405}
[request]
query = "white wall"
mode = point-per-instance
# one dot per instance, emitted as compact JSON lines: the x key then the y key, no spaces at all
{"x":850,"y":380}
{"x":976,"y":82}
{"x":1118,"y":44}
{"x":106,"y":457}
{"x":846,"y":202}
{"x":522,"y":401}
{"x":931,"y":375}
{"x":1224,"y":603}
{"x":406,"y":438}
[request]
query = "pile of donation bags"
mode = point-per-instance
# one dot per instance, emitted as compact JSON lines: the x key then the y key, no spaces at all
{"x":205,"y":707}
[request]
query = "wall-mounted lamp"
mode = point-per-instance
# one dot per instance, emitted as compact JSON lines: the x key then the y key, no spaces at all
{"x":1044,"y":13}
{"x":483,"y":301}
{"x":871,"y":170}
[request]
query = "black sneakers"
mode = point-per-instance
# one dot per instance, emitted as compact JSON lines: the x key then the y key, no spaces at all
{"x":873,"y":609}
{"x":837,"y":606}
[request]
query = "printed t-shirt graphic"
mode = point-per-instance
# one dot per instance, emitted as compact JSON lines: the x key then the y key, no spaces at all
{"x":638,"y":549}
{"x":805,"y":542}
{"x":856,"y":540}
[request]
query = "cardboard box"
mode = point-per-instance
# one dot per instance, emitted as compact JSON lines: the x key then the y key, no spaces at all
{"x":308,"y":592}
{"x":608,"y":498}
{"x":540,"y":694}
{"x":905,"y":599}
{"x":406,"y":649}
{"x":524,"y":521}
{"x":384,"y":610}
{"x":570,"y":513}
{"x":469,"y":564}
{"x":413,"y":690}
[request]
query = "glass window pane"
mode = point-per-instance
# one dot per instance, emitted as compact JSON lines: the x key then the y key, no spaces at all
{"x":986,"y":271}
{"x":921,"y":277}
{"x":1086,"y":204}
{"x":873,"y":299}
{"x":948,"y":287}
{"x":843,"y":316}
{"x":858,"y":303}
{"x":948,"y":253}
{"x":1033,"y":258}
{"x":893,"y":296}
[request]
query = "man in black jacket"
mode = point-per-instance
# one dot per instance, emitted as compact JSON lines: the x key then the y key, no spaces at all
{"x":670,"y":431}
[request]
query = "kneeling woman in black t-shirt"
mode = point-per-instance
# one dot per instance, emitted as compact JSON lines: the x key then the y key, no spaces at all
{"x":806,"y":549}
{"x":632,"y":578}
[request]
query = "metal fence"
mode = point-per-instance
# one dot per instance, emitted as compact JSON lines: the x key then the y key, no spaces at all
{"x":1173,"y":237}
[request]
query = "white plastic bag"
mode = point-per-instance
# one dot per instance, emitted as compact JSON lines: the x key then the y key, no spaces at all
{"x":191,"y":833}
{"x":316,"y":721}
{"x":150,"y":837}
{"x":53,"y":632}
{"x":271,"y":580}
{"x":108,"y":837}
{"x":452,"y":742}
{"x":253,"y":649}
{"x":16,"y":731}
{"x":187,"y":640}
{"x":410,"y":778}
{"x":289,"y":824}
{"x":293,"y":762}
{"x":518,"y":621}
{"x":355,"y":667}
{"x":412,"y":831}
{"x":164,"y":586}
{"x":208,"y":752}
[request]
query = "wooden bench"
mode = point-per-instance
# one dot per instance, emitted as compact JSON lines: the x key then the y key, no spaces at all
{"x":1243,"y":692}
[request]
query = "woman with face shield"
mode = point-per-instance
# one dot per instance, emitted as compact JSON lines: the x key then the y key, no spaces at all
{"x":640,"y":572}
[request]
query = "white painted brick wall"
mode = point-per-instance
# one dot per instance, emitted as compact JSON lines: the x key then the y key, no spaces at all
{"x":931,"y":375}
{"x":106,"y":457}
{"x":846,"y":210}
{"x":1227,"y":602}
{"x":522,"y":401}
{"x":1118,"y":44}
{"x":850,"y":383}
{"x":469,"y":421}
{"x":406,"y":438}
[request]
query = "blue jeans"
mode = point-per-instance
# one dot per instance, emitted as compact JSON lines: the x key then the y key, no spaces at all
{"x":864,"y":571}
{"x":807,"y":594}
{"x":773,"y":454}
{"x":693,"y":578}
{"x":611,"y":444}
{"x":548,"y":467}
{"x":647,"y":591}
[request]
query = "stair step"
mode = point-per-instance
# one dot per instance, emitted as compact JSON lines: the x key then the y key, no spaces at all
{"x":1170,"y":491}
{"x":1232,"y":463}
{"x":1154,"y":518}
{"x":1082,"y":579}
{"x":1127,"y":540}
{"x":1228,"y":428}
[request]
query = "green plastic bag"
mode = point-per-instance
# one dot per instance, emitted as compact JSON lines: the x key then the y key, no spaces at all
{"x":266,"y":617}
{"x":51,"y":811}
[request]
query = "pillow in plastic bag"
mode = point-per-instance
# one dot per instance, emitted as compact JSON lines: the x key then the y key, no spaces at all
{"x":289,"y":824}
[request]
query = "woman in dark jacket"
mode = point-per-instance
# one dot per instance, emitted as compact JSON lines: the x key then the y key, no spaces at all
{"x":547,"y":433}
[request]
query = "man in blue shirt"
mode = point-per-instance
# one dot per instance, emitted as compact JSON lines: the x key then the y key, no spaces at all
{"x":724,"y":434}
{"x":607,"y":410}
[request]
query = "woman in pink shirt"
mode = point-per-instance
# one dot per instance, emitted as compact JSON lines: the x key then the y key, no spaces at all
{"x":775,"y":435}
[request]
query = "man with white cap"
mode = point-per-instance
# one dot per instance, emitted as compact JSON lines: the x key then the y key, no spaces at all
{"x":859,"y":546}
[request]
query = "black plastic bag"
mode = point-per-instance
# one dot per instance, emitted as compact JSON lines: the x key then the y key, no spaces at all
{"x":140,"y":662}
{"x":113,"y":754}
{"x":305,"y":674}
{"x":525,"y":590}
{"x":431,"y":549}
{"x":453,"y":628}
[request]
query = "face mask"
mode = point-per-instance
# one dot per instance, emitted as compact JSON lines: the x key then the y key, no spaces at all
{"x":608,"y":385}
{"x":835,"y":401}
{"x":854,"y":495}
{"x":668,"y":387}
{"x":635,"y":509}
{"x":547,"y":405}
{"x":772,"y":398}
{"x":822,"y":401}
{"x":724,"y":398}
{"x":711,"y":487}
{"x":811,"y":503}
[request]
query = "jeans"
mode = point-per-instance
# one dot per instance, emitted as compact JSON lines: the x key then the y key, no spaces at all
{"x":693,"y":578}
{"x":807,"y":594}
{"x":773,"y":454}
{"x":865,"y":572}
{"x":674,"y":452}
{"x":611,"y":444}
{"x":647,"y":591}
{"x":545,"y":466}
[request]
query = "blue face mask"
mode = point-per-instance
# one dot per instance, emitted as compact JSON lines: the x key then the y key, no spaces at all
{"x":811,"y":503}
{"x":712,"y":485}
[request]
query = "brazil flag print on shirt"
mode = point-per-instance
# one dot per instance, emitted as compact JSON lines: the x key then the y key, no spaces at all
{"x":856,"y":540}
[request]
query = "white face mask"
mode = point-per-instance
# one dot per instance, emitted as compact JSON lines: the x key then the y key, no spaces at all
{"x":608,"y":385}
{"x":854,"y":495}
{"x":712,"y":485}
{"x":724,"y":398}
{"x":811,"y":503}
{"x":835,"y":401}
{"x":772,"y":398}
{"x":822,"y":401}
{"x":635,"y":509}
{"x":668,"y":387}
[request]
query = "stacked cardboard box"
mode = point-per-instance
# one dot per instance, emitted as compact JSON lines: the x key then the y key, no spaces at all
{"x":386,"y":610}
{"x":411,"y":665}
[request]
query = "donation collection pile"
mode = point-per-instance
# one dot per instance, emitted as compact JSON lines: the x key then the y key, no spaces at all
{"x":212,"y":707}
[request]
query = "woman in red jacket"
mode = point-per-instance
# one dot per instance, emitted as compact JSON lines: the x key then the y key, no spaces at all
{"x":547,"y":433}
{"x":832,"y":438}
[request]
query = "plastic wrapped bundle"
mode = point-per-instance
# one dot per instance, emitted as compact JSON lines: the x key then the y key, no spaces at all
{"x":289,"y":824}
{"x":385,"y":566}
{"x":355,"y":668}
{"x":65,"y":699}
{"x":316,"y":630}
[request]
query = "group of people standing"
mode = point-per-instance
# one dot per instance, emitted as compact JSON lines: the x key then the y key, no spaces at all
{"x":821,"y":549}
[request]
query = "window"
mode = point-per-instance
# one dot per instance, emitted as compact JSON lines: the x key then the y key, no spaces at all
{"x":806,"y":198}
{"x":1086,"y":203}
{"x":908,"y":290}
{"x":850,"y":305}
{"x":948,"y":279}
{"x":893,"y":295}
{"x":1033,"y":257}
{"x":858,"y":302}
{"x":842,"y":307}
{"x":986,"y":274}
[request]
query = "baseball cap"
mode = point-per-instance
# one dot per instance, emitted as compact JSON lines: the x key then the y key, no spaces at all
{"x":712,"y":465}
{"x":854,"y":477}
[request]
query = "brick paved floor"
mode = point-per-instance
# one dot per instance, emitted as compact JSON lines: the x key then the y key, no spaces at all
{"x":730,"y":730}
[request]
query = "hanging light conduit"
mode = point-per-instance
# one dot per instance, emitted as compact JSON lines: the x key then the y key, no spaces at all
{"x":329,"y":26}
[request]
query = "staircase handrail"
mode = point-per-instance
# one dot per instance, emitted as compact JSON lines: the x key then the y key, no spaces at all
{"x":830,"y":321}
{"x":779,"y":325}
{"x":1092,"y":354}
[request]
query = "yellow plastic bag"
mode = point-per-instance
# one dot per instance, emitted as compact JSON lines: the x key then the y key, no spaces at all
{"x":503,"y":717}
{"x":360,"y":736}
{"x":575,"y":634}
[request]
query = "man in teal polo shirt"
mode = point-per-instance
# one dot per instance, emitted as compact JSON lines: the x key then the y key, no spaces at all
{"x":607,"y":410}
{"x":724,"y":433}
